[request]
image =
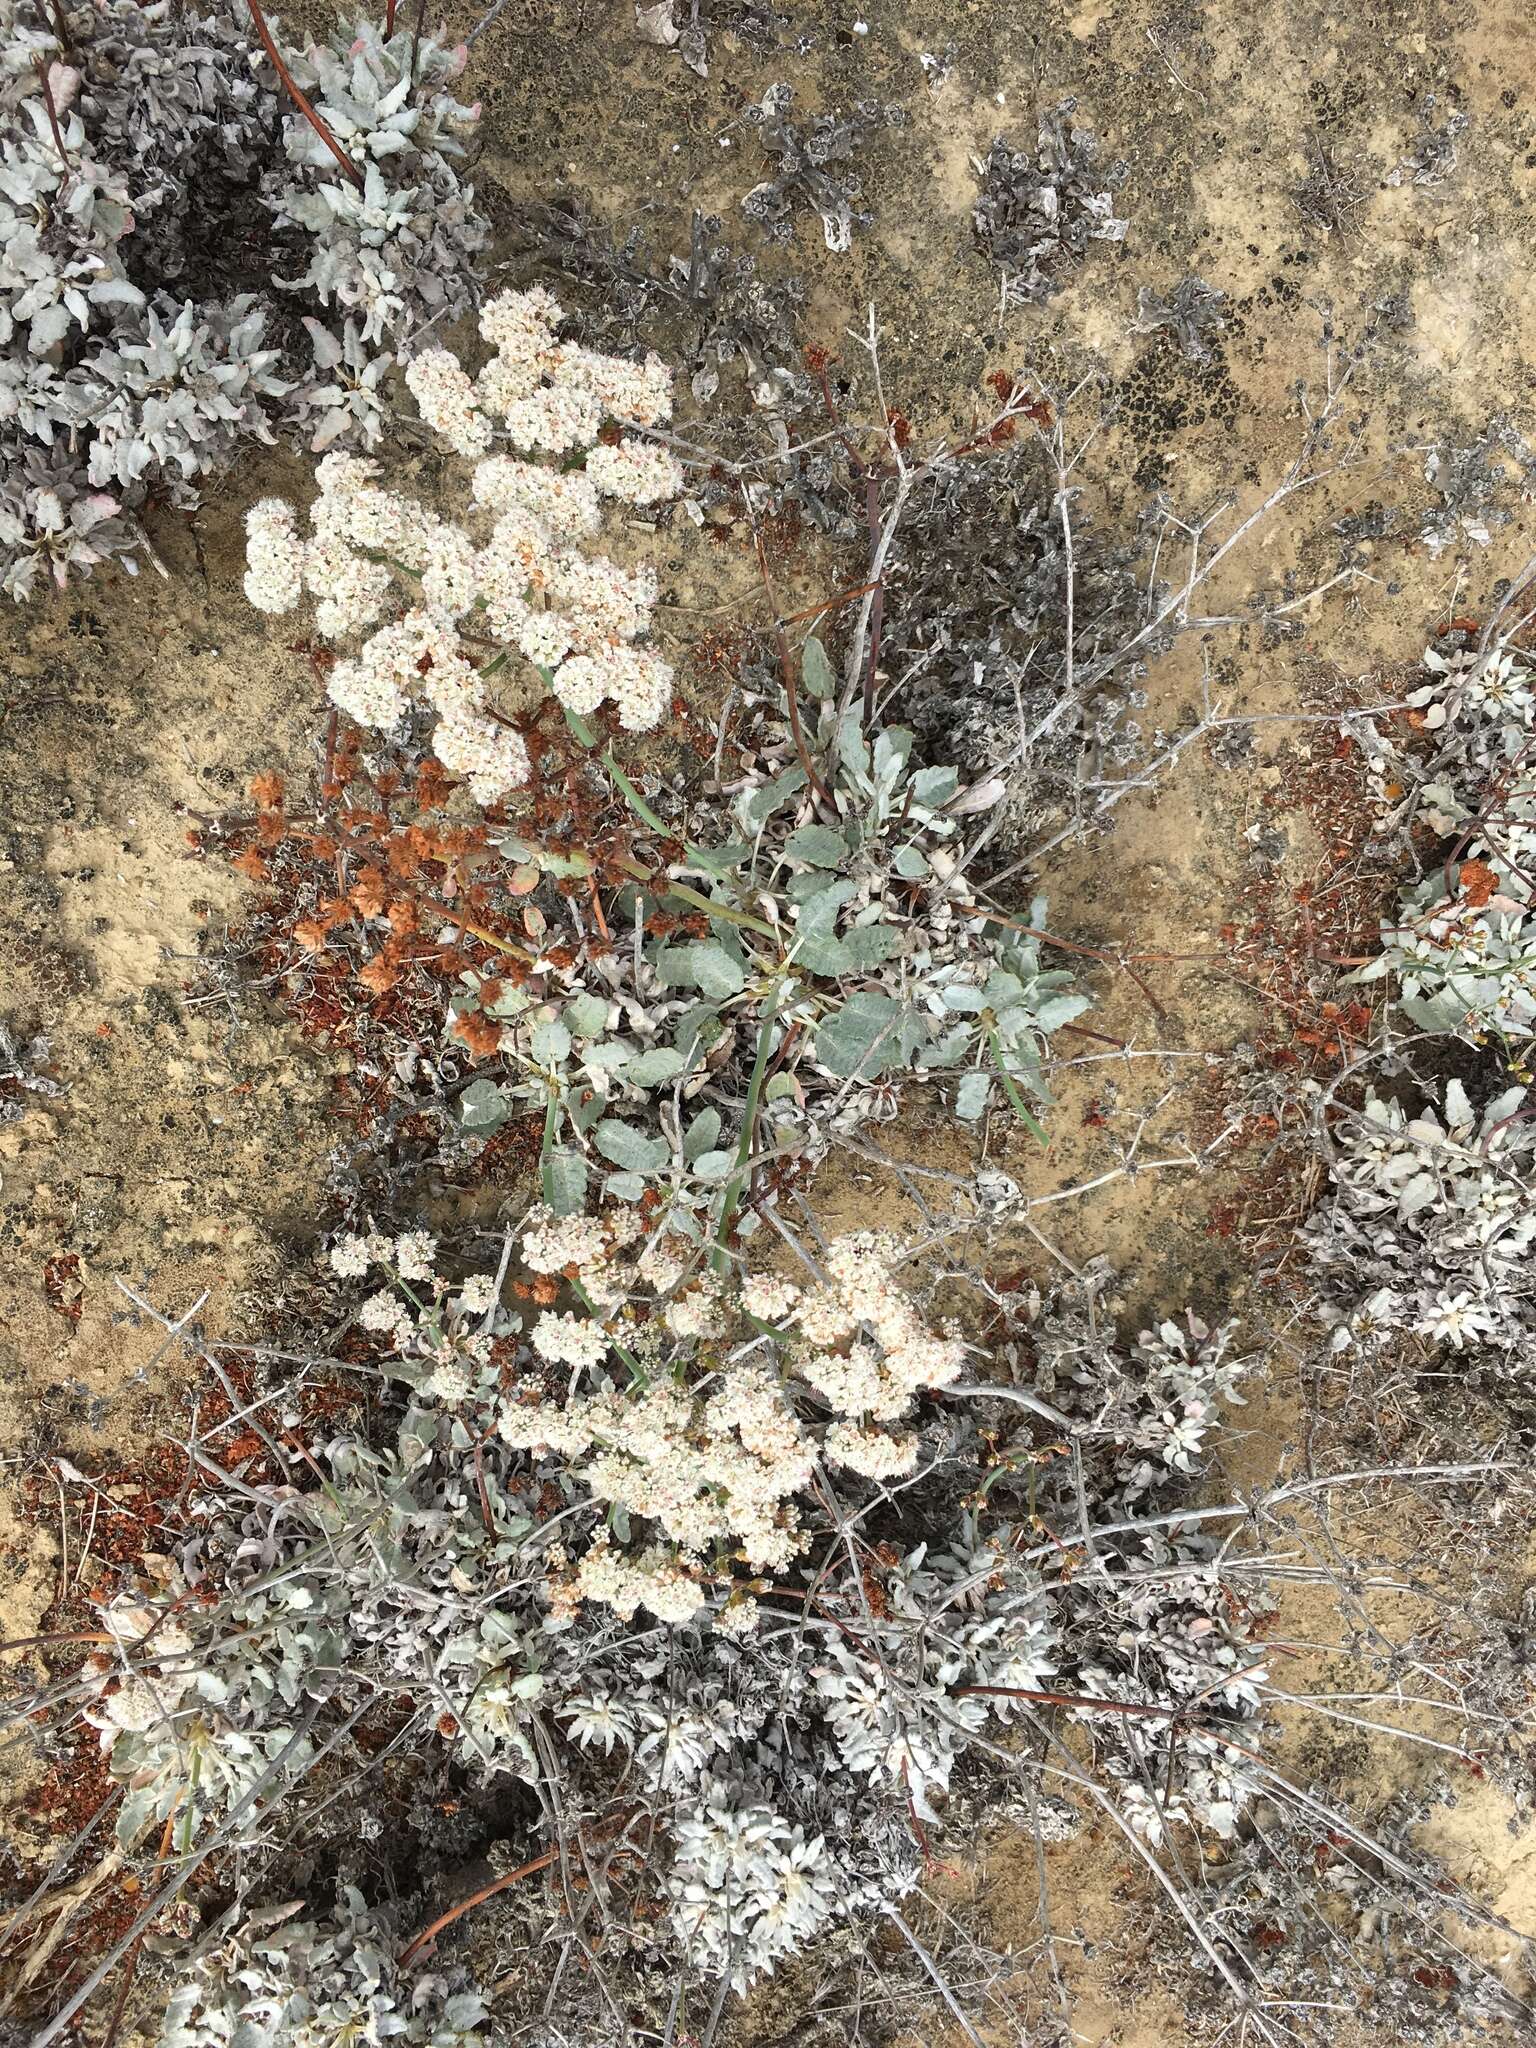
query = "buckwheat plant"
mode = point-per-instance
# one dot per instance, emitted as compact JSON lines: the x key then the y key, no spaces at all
{"x":824,"y":955}
{"x":507,"y":584}
{"x":693,"y":1407}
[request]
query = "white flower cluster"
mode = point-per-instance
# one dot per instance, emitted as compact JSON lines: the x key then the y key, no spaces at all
{"x":510,"y":577}
{"x":441,"y":1329}
{"x":1428,"y":1227}
{"x":710,"y":1446}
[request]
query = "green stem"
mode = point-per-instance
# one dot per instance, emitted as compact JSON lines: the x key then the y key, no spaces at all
{"x":1026,"y":1116}
{"x":737,"y":1186}
{"x":632,"y":1365}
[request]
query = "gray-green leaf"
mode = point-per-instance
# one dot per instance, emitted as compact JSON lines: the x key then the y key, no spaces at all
{"x":701,"y":1134}
{"x":971,"y":1096}
{"x":565,"y":1182}
{"x":816,"y":670}
{"x":586,"y":1016}
{"x":630,"y":1148}
{"x":713,"y":1165}
{"x":659,"y":1063}
{"x":818,"y":844}
{"x":859,"y":1038}
{"x":483,"y":1106}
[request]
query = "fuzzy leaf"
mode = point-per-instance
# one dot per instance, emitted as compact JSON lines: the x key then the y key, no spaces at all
{"x":483,"y":1106}
{"x":701,"y":964}
{"x":701,"y":1135}
{"x":565,"y":1182}
{"x":657,"y":1064}
{"x":934,"y":786}
{"x":586,"y":1016}
{"x":972,"y":1095}
{"x":860,"y":1038}
{"x":816,"y":670}
{"x":868,"y":944}
{"x":549,"y":1042}
{"x":760,"y":804}
{"x":630,"y":1148}
{"x":818,"y":844}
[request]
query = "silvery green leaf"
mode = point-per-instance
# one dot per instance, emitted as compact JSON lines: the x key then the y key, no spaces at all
{"x":651,"y":1068}
{"x":816,"y":670}
{"x":868,"y":944}
{"x":852,"y":748}
{"x":811,"y":883}
{"x":1055,"y":1011}
{"x":779,"y":1087}
{"x":818,"y":913}
{"x":701,"y":1135}
{"x":818,"y":844}
{"x":140,"y":1807}
{"x":893,"y":749}
{"x":972,"y":1094}
{"x":586,"y":1016}
{"x":713,"y":1165}
{"x":702,"y":964}
{"x":609,"y":1055}
{"x":817,"y":953}
{"x":549,"y":1042}
{"x":758,"y":805}
{"x":630,"y":1148}
{"x":932,"y":787}
{"x":565,"y":1182}
{"x":947,"y":1050}
{"x":859,"y":1038}
{"x":910,"y":862}
{"x":961,"y":995}
{"x":1440,"y":1012}
{"x":483,"y":1106}
{"x":585,"y":1114}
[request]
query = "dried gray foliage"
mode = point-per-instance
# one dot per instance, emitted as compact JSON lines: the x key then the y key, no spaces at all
{"x":1039,"y":208}
{"x":1191,"y":313}
{"x":713,"y":304}
{"x":1426,"y":1228}
{"x":273,"y":1978}
{"x":815,"y":166}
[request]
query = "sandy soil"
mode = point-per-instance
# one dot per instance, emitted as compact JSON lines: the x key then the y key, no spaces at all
{"x":187,"y":1144}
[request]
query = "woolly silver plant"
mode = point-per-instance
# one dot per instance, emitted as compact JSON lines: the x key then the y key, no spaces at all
{"x":1038,"y":209}
{"x":1427,"y":1226}
{"x":1462,"y":946}
{"x":276,"y":1981}
{"x":148,"y":148}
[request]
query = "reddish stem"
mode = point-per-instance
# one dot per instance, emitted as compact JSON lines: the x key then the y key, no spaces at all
{"x":298,"y":98}
{"x":53,"y":113}
{"x":475,"y":1899}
